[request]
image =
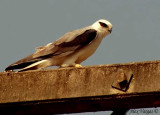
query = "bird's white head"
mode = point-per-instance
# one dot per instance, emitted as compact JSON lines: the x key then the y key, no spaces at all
{"x":102,"y":26}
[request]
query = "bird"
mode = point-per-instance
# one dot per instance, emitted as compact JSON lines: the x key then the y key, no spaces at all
{"x":68,"y":51}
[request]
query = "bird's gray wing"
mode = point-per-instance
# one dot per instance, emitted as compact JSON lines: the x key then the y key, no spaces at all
{"x":67,"y":44}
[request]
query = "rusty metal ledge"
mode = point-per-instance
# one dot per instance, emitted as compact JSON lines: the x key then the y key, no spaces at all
{"x":82,"y":104}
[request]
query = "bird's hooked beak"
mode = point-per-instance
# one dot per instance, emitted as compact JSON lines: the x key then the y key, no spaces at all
{"x":110,"y":31}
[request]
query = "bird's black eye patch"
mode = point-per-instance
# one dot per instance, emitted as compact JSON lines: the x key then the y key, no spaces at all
{"x":103,"y":24}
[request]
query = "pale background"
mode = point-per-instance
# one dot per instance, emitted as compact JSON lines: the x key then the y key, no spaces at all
{"x":27,"y":24}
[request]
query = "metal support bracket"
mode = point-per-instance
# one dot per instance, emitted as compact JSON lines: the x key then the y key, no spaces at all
{"x":122,"y":80}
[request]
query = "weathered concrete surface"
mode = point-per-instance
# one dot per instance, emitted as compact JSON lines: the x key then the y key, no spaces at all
{"x":73,"y":82}
{"x":53,"y":84}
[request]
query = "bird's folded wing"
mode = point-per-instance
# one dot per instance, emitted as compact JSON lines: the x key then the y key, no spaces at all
{"x":70,"y":42}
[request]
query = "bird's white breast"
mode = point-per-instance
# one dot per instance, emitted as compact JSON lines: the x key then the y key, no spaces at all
{"x":85,"y":52}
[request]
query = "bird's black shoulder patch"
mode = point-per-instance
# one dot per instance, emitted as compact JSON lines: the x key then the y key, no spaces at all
{"x":82,"y":39}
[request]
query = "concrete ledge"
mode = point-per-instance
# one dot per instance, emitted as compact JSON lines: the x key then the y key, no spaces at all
{"x":79,"y":83}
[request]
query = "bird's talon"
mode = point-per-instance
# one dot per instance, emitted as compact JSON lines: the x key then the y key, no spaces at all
{"x":77,"y":65}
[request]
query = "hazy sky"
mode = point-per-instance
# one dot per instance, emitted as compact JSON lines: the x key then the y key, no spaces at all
{"x":27,"y":24}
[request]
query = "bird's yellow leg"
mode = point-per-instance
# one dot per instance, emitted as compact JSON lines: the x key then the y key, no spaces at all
{"x":77,"y":65}
{"x":72,"y":65}
{"x":64,"y":65}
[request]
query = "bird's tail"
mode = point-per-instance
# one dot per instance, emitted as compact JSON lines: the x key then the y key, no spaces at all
{"x":30,"y":65}
{"x":24,"y":64}
{"x":19,"y":66}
